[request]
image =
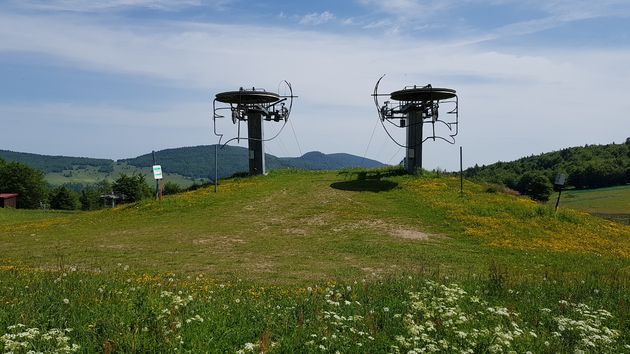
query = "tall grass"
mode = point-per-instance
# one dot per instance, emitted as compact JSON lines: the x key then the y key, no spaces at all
{"x":123,"y":311}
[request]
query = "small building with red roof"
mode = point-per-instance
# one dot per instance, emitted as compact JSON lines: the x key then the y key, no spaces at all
{"x":8,"y":200}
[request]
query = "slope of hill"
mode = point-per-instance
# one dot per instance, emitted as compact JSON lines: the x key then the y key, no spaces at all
{"x":591,"y":166}
{"x":48,"y":164}
{"x":295,"y":222}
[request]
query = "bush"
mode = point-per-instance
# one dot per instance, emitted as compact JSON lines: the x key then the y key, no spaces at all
{"x":171,"y":188}
{"x":133,"y":188}
{"x":91,"y":195}
{"x":63,"y":198}
{"x":535,"y":185}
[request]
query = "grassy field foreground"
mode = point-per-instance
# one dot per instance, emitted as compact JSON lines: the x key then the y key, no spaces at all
{"x":318,"y":262}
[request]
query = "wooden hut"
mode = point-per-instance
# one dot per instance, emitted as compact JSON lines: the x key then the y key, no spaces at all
{"x":8,"y":200}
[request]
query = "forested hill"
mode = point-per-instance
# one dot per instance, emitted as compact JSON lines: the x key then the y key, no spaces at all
{"x":198,"y":161}
{"x":48,"y":164}
{"x":590,"y":166}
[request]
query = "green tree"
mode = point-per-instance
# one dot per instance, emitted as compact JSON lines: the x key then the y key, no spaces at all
{"x":133,"y":188}
{"x":535,"y":185}
{"x":91,"y":195}
{"x":28,"y":183}
{"x":63,"y":198}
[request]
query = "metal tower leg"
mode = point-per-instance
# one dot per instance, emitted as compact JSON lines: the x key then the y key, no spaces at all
{"x":413,"y":160}
{"x":256,"y":145}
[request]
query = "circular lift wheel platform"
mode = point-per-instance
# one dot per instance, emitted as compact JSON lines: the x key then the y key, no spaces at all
{"x":423,"y":94}
{"x":247,"y":97}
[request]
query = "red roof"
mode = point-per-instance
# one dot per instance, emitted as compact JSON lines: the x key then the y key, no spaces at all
{"x":7,"y":195}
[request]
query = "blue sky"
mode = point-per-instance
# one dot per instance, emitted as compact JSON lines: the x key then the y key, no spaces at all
{"x":119,"y":78}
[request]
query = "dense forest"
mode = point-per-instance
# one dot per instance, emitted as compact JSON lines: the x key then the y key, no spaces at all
{"x":590,"y":166}
{"x":49,"y":164}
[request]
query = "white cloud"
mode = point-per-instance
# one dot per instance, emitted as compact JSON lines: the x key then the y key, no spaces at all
{"x":511,"y":104}
{"x":107,"y":5}
{"x":315,"y":18}
{"x":407,"y":10}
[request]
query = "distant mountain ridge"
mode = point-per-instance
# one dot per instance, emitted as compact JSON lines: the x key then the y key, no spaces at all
{"x":198,"y":161}
{"x":195,"y":162}
{"x":49,"y":163}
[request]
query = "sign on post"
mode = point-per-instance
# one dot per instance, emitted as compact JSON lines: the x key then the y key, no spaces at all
{"x":560,"y":179}
{"x":157,"y":171}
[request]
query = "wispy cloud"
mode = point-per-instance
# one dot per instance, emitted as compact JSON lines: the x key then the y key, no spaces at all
{"x":538,"y":15}
{"x":107,"y":5}
{"x":408,"y":9}
{"x":316,"y":18}
{"x":334,"y":74}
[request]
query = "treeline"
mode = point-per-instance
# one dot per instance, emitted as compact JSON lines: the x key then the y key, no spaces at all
{"x":590,"y":166}
{"x":34,"y":193}
{"x":49,"y":164}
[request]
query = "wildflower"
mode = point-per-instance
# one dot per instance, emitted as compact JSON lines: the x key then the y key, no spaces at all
{"x":66,"y":301}
{"x":385,"y":309}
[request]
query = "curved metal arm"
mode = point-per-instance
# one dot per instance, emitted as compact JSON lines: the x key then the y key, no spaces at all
{"x":389,"y":114}
{"x":382,"y":118}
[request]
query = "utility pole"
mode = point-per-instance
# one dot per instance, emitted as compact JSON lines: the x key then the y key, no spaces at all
{"x":157,"y":181}
{"x":461,"y":171}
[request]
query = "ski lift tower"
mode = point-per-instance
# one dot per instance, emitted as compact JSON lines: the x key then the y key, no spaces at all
{"x":253,"y":106}
{"x":413,"y":107}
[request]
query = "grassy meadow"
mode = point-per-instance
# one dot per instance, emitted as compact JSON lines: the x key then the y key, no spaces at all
{"x":316,"y":262}
{"x":91,"y":175}
{"x":612,"y":202}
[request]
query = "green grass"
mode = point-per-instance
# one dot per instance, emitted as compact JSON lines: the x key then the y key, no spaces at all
{"x":123,"y":311}
{"x":612,"y":200}
{"x":296,"y":227}
{"x":90,"y":175}
{"x":268,"y":239}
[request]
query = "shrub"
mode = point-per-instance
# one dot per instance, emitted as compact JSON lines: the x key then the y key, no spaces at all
{"x":63,"y":198}
{"x":133,"y":188}
{"x":535,"y":185}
